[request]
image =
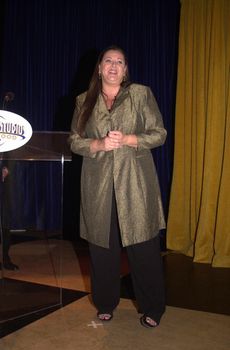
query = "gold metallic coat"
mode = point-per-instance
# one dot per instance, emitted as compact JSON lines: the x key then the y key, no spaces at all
{"x":130,"y":171}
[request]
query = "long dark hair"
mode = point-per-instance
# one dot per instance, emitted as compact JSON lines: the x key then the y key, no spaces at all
{"x":94,"y":89}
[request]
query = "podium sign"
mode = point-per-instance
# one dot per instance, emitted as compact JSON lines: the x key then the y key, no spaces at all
{"x":15,"y":131}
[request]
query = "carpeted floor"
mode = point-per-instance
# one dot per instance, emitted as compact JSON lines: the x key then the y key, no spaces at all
{"x":38,"y":317}
{"x":75,"y":327}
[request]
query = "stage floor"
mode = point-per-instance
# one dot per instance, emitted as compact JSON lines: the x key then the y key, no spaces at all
{"x":197,"y":314}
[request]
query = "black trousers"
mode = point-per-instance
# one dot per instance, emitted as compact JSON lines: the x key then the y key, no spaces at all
{"x":146,"y":271}
{"x":5,"y":235}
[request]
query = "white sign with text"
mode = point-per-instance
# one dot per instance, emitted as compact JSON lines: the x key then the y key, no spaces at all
{"x":15,"y":131}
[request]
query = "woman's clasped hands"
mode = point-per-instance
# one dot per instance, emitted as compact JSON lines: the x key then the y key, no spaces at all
{"x":114,"y":140}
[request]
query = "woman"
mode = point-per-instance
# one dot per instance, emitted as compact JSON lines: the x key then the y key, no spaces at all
{"x":115,"y":125}
{"x":4,"y":218}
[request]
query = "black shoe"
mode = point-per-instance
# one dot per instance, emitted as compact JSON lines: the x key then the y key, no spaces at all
{"x":105,"y":316}
{"x":148,"y":322}
{"x":8,"y":265}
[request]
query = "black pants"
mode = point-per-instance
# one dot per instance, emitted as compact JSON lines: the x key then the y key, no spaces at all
{"x":146,"y":270}
{"x":4,"y":220}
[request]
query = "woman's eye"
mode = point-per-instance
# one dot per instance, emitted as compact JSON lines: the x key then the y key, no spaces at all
{"x":111,"y":62}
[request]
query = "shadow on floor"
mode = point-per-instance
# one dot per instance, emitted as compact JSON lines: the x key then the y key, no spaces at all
{"x":24,"y":302}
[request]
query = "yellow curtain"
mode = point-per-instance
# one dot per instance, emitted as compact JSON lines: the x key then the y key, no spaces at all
{"x":199,"y":213}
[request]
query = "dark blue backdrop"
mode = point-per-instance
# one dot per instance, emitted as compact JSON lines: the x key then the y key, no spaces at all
{"x":49,"y":49}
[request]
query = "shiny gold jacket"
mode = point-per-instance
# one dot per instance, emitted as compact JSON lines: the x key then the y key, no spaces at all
{"x":130,"y":171}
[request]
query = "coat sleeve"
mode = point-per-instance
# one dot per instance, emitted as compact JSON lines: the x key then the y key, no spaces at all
{"x":154,"y":133}
{"x":78,"y":144}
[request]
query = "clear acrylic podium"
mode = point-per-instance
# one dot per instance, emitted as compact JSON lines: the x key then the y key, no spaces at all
{"x":31,"y":226}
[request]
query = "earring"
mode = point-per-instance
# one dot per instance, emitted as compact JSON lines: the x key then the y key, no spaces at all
{"x":124,"y":78}
{"x":99,"y":75}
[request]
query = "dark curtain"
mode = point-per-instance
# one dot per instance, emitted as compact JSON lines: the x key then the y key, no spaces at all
{"x":48,"y":53}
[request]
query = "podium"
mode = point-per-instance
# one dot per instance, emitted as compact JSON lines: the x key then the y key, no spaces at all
{"x":31,"y":226}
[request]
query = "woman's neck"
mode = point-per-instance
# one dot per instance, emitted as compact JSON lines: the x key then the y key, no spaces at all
{"x":110,"y":91}
{"x":109,"y":95}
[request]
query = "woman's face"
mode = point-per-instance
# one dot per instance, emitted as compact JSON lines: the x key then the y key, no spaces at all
{"x":112,"y":67}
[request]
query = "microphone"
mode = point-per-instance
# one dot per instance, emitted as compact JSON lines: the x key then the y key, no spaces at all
{"x":9,"y":96}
